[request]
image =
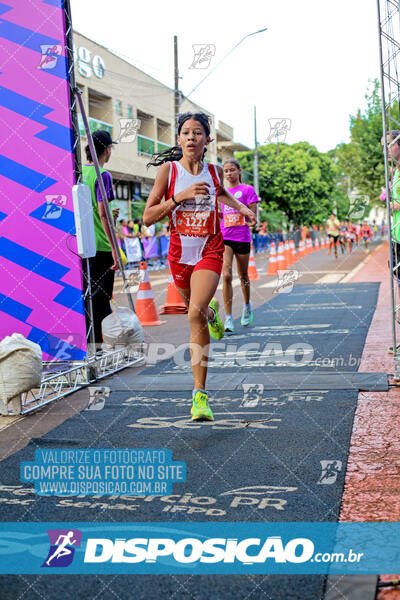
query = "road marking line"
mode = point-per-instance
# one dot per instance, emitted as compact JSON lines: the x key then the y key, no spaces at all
{"x":331,"y":278}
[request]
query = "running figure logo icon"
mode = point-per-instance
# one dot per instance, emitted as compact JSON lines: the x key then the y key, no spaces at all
{"x":62,"y":346}
{"x":52,"y":211}
{"x":330,"y":471}
{"x":97,"y":397}
{"x":286,"y":280}
{"x":358,"y":204}
{"x":203,"y":54}
{"x":252,"y":394}
{"x":128,"y":130}
{"x":50,"y":54}
{"x":62,"y":542}
{"x":278,"y":129}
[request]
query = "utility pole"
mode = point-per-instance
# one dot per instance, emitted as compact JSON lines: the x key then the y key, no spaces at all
{"x":176,"y":85}
{"x":255,"y":169}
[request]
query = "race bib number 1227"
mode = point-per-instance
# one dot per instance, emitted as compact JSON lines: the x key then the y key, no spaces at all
{"x":196,"y":217}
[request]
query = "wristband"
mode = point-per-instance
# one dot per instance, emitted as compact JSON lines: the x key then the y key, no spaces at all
{"x":173,"y":200}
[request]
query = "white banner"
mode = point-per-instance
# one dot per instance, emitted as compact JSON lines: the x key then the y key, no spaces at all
{"x":133,"y":249}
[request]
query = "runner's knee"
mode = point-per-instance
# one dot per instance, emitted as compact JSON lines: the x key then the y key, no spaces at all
{"x":197,"y":315}
{"x":227,"y":277}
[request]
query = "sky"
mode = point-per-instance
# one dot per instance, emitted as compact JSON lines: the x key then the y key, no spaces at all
{"x":312,"y":65}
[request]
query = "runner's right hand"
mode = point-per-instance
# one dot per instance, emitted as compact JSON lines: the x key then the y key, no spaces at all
{"x":201,"y":188}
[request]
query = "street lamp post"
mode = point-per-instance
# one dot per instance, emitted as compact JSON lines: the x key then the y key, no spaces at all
{"x":226,"y":56}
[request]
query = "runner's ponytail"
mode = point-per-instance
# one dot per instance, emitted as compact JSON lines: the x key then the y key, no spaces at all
{"x":168,"y":155}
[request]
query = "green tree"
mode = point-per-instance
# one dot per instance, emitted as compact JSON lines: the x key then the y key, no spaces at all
{"x":297,"y":180}
{"x":362,"y":159}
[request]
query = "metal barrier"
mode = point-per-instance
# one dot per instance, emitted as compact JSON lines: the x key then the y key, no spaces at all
{"x":61,"y":379}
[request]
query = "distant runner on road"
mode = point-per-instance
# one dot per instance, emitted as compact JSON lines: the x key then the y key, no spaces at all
{"x":237,"y":240}
{"x":332,"y":229}
{"x":191,"y":188}
{"x":366,"y":234}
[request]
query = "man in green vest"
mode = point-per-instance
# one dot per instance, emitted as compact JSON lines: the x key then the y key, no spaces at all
{"x":393,"y":142}
{"x":104,"y":264}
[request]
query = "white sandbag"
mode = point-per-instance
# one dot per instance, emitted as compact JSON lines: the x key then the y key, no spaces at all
{"x":20,"y":366}
{"x":121,"y":328}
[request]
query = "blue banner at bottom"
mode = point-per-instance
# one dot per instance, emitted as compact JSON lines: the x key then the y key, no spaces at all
{"x":199,"y":548}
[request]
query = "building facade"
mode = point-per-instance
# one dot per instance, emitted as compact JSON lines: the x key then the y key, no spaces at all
{"x":138,"y":111}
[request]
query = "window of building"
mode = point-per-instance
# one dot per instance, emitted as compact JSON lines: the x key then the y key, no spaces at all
{"x":118,"y":107}
{"x":130,"y":111}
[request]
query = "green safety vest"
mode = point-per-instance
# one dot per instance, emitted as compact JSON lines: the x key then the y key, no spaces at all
{"x":396,"y":213}
{"x":89,"y":177}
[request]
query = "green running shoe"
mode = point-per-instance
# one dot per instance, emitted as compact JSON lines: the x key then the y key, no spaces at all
{"x":200,"y":410}
{"x":216,"y":328}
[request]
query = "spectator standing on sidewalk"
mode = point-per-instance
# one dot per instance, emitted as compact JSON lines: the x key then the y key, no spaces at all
{"x":122,"y":233}
{"x":104,"y":264}
{"x":393,"y":142}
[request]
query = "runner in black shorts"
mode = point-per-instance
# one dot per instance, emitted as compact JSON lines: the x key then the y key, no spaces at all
{"x":237,"y":238}
{"x":238,"y":247}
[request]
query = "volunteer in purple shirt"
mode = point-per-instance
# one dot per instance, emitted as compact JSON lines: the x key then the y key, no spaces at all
{"x":237,"y":239}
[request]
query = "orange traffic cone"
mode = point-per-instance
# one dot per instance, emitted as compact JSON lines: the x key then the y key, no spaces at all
{"x":302,"y":251}
{"x":281,"y":257}
{"x":272,"y":263}
{"x":252,"y":272}
{"x":174,"y":304}
{"x":293,"y":252}
{"x":309,"y":247}
{"x":145,"y":306}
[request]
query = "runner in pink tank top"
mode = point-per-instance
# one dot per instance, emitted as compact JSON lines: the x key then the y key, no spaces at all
{"x":191,"y":189}
{"x":237,"y":240}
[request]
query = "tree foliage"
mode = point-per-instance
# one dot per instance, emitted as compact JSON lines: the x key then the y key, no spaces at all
{"x":296,"y":179}
{"x":307,"y":185}
{"x":362,"y":159}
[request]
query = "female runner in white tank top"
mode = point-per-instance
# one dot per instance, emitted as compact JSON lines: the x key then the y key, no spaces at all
{"x":191,"y":188}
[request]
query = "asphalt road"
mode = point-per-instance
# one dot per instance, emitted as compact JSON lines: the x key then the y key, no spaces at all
{"x":262,"y":459}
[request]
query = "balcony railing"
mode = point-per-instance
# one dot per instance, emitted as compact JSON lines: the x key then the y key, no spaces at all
{"x":94,"y":125}
{"x":147,"y":146}
{"x":161,"y":146}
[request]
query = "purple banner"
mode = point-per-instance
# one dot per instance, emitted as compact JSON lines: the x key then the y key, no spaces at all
{"x":150,"y":248}
{"x":41,"y":281}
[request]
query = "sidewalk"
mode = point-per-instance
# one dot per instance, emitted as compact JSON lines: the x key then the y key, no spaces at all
{"x":372,"y":486}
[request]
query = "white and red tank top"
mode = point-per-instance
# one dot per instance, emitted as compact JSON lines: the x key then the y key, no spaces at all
{"x":194,"y":224}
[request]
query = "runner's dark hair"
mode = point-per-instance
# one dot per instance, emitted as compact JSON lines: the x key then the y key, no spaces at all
{"x":235,"y":162}
{"x":175,"y":152}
